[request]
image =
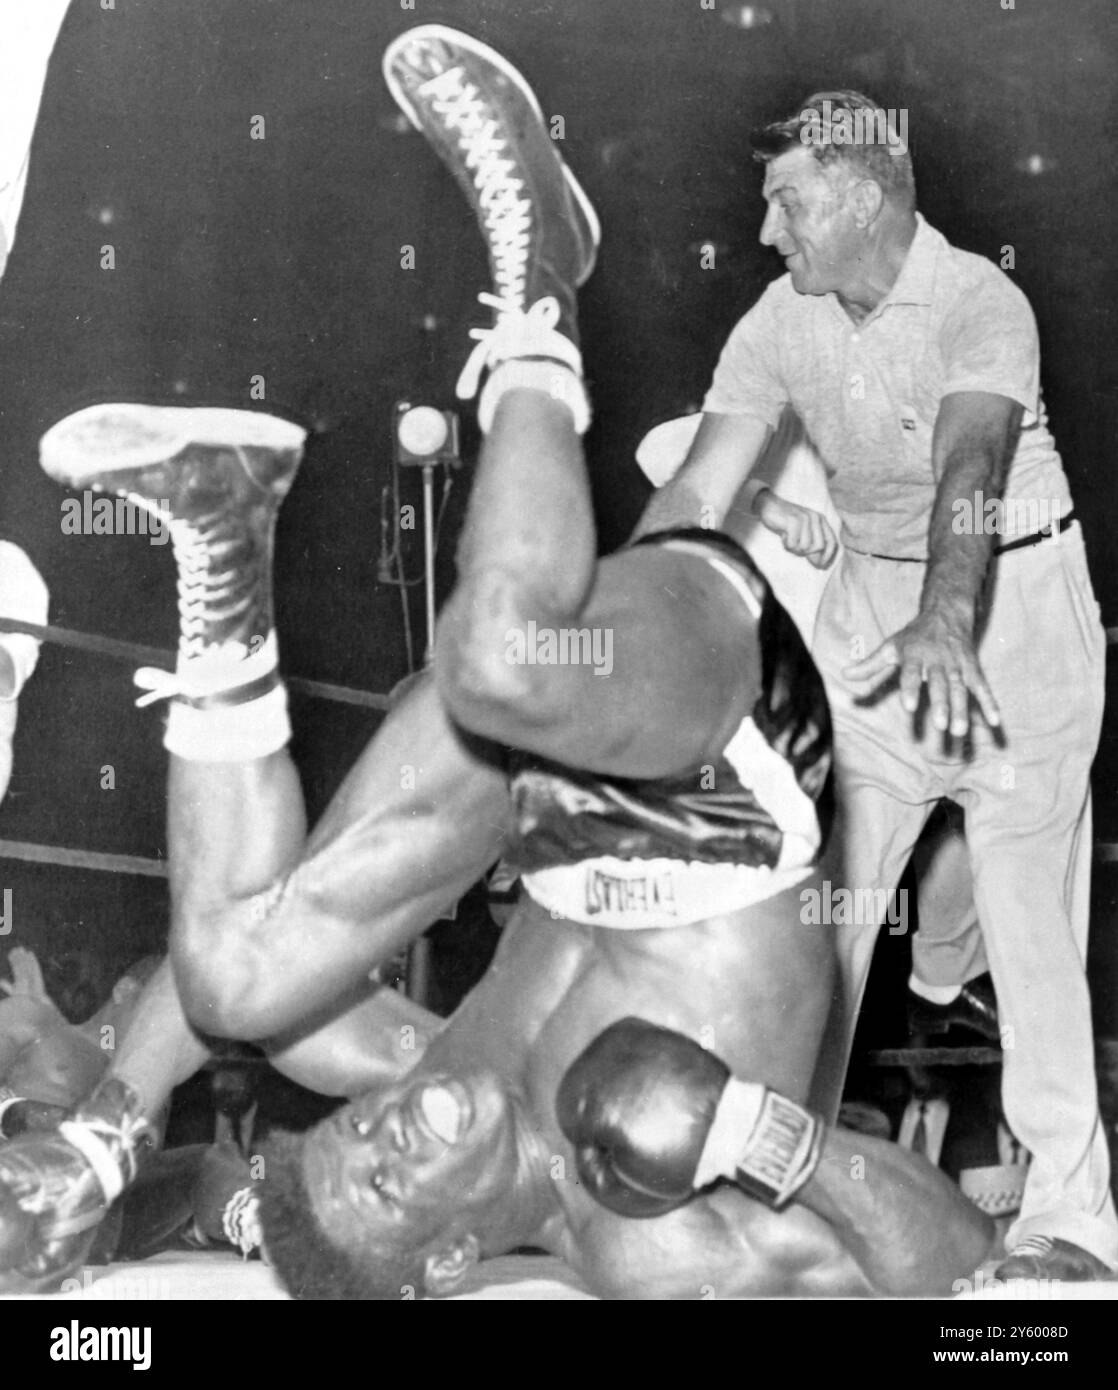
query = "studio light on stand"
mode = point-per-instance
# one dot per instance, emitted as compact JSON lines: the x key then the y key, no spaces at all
{"x":425,"y":438}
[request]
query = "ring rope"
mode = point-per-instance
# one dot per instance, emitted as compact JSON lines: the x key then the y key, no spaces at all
{"x":156,"y":656}
{"x":134,"y":653}
{"x":32,"y":853}
{"x":935,"y":1057}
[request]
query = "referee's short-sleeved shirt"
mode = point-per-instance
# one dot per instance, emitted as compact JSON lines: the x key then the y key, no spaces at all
{"x":868,"y":394}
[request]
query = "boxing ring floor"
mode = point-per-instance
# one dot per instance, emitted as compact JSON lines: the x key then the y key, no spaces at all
{"x":222,"y":1276}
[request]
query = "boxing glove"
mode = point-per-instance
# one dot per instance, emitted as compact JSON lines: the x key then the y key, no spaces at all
{"x":17,"y":1230}
{"x":65,"y":1181}
{"x":654,"y":1118}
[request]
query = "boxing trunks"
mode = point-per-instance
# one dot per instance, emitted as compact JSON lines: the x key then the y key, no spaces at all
{"x":614,"y":852}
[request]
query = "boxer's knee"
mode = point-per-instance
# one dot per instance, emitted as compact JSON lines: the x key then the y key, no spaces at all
{"x":202,"y":991}
{"x":487,"y":682}
{"x":219,"y":996}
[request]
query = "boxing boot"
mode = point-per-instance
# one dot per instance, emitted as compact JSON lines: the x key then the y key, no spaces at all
{"x":541,"y":231}
{"x":216,"y":478}
{"x":55,"y":1188}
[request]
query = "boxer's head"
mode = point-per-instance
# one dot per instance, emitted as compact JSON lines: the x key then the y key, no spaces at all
{"x":839,"y":187}
{"x":399,"y":1193}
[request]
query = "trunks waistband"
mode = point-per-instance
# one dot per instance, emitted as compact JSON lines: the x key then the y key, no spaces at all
{"x":637,"y":894}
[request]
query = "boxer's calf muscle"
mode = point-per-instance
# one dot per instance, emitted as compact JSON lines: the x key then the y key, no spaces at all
{"x":312,"y":960}
{"x":417,"y":820}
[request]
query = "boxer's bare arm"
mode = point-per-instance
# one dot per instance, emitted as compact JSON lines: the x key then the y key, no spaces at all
{"x":375,"y":1039}
{"x":159,"y":1050}
{"x":872,"y":1219}
{"x":902,"y":1222}
{"x":272,"y":931}
{"x":724,"y":453}
{"x":371,"y":1042}
{"x":906,"y":1223}
{"x":364,"y":1044}
{"x":721,"y":1245}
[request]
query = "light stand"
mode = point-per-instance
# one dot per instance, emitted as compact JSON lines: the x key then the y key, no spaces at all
{"x":424,"y":438}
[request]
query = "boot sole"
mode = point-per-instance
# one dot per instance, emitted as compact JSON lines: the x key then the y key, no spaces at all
{"x":106,"y":438}
{"x":456,"y":38}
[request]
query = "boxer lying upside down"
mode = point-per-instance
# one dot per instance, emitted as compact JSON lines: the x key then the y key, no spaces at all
{"x":466,"y":1155}
{"x":755,"y":984}
{"x":664,"y":881}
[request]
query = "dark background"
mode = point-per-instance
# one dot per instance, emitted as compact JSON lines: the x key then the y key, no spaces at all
{"x":281,"y":257}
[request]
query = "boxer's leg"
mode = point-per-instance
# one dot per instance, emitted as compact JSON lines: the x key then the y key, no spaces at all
{"x":538,"y":646}
{"x":234,"y":829}
{"x":416,"y":821}
{"x":271,"y":930}
{"x":216,"y":479}
{"x":159,"y":1049}
{"x":657,"y":633}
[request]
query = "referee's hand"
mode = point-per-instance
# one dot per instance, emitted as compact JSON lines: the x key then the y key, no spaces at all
{"x":936,"y":652}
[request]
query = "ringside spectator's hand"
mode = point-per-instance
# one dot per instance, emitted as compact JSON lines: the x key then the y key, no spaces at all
{"x":27,"y":976}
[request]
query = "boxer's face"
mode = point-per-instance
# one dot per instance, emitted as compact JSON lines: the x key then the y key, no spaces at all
{"x":810,"y":222}
{"x":419,"y":1162}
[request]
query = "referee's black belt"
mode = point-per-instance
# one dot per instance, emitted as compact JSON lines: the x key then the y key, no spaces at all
{"x":1021,"y":543}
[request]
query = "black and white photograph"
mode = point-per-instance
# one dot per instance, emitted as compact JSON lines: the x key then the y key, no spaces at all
{"x":557,"y":571}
